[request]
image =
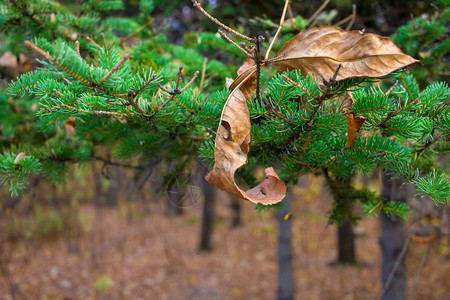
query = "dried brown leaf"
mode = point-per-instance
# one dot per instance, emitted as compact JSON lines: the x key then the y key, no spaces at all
{"x":19,"y":157}
{"x":231,"y":149}
{"x":354,"y":124}
{"x":322,"y":49}
{"x":248,"y":79}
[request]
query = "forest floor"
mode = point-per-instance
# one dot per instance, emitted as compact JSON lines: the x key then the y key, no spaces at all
{"x":146,"y":255}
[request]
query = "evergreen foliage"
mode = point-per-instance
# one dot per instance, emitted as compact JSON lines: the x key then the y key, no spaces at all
{"x":133,"y":100}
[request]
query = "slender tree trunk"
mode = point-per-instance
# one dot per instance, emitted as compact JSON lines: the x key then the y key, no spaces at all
{"x":208,"y":213}
{"x":285,"y":290}
{"x":392,"y":243}
{"x":346,"y":243}
{"x":236,"y":212}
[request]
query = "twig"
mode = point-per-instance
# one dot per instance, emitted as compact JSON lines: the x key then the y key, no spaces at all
{"x":318,"y":11}
{"x":137,"y":30}
{"x":272,"y":110}
{"x":176,"y":91}
{"x":352,"y":21}
{"x":291,"y":17}
{"x":106,"y":48}
{"x":396,"y":112}
{"x":343,"y":21}
{"x":285,"y":77}
{"x":93,"y":43}
{"x":202,"y":80}
{"x":131,"y":97}
{"x":203,"y":11}
{"x":77,"y":48}
{"x":395,"y":267}
{"x":115,"y":68}
{"x":392,"y":87}
{"x":283,"y":15}
{"x":233,"y":42}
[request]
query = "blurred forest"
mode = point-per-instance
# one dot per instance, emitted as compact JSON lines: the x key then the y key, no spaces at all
{"x":90,"y":226}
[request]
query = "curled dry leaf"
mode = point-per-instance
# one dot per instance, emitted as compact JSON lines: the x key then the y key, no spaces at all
{"x":19,"y":157}
{"x":354,"y":123}
{"x":322,"y":49}
{"x":246,"y":76}
{"x":231,"y":149}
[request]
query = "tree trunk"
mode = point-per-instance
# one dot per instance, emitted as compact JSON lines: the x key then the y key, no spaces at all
{"x":236,"y":212}
{"x":392,"y":243}
{"x":346,"y":243}
{"x":208,"y":213}
{"x":285,"y":290}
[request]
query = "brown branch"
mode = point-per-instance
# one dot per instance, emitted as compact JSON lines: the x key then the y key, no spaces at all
{"x":396,"y":112}
{"x":93,"y":43}
{"x":352,"y":21}
{"x":203,"y":11}
{"x":77,"y":48}
{"x":137,"y":30}
{"x":115,"y":69}
{"x":233,"y":42}
{"x":318,"y":11}
{"x":176,"y":91}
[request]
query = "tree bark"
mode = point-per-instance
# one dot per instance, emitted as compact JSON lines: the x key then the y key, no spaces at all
{"x":346,"y":243}
{"x":392,"y":242}
{"x":208,"y":213}
{"x":285,"y":290}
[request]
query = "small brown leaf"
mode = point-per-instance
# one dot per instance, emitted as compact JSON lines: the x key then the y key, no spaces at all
{"x":246,"y":76}
{"x":231,"y":148}
{"x":322,"y":49}
{"x":354,"y":125}
{"x":69,"y":125}
{"x":249,"y":86}
{"x":19,"y":157}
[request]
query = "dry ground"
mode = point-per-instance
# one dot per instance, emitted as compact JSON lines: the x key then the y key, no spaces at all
{"x":155,"y":257}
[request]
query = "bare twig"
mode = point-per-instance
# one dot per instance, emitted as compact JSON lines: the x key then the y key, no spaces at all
{"x":392,"y":87}
{"x":283,"y":15}
{"x":203,"y":11}
{"x":93,"y":42}
{"x":202,"y":80}
{"x":115,"y":68}
{"x":137,"y":30}
{"x":352,"y":21}
{"x":223,"y":34}
{"x":77,"y":48}
{"x":318,"y":11}
{"x":176,"y":91}
{"x":396,"y":112}
{"x":106,"y":47}
{"x":131,"y":97}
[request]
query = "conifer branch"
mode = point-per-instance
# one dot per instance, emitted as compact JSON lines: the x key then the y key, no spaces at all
{"x":396,"y":112}
{"x":176,"y":91}
{"x":115,"y":68}
{"x":131,"y":96}
{"x":203,"y":11}
{"x":307,"y":92}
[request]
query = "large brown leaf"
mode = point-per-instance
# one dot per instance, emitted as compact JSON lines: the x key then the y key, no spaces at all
{"x":322,"y":49}
{"x":231,"y":150}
